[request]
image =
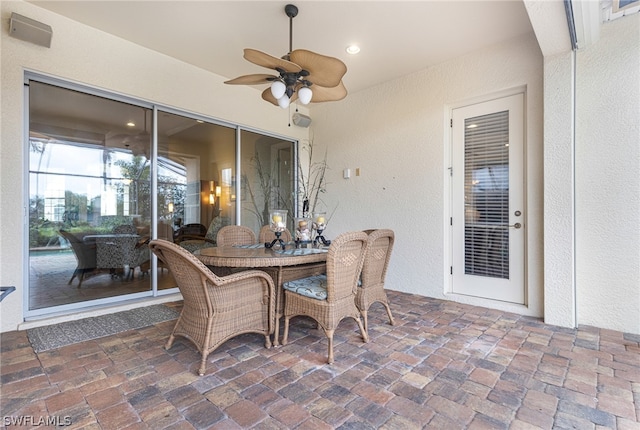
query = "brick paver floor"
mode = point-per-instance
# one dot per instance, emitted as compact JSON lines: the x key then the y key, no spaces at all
{"x":444,"y":365}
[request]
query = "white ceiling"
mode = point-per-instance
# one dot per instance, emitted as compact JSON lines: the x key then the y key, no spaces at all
{"x":396,"y":37}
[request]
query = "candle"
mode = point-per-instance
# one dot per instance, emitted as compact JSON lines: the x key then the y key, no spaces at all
{"x":277,"y":218}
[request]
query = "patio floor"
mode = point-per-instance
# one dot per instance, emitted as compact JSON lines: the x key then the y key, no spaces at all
{"x":444,"y":365}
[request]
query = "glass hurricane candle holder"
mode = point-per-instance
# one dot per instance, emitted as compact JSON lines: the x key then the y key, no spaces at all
{"x":319,"y":224}
{"x":304,"y":231}
{"x":277,"y":224}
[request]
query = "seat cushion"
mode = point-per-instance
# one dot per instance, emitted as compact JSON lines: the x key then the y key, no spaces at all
{"x":314,"y":287}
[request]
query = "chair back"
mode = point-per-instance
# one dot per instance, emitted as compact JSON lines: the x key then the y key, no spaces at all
{"x":85,"y":254}
{"x":125,"y":229}
{"x":344,"y":264}
{"x":193,"y":229}
{"x":267,"y":235}
{"x":231,"y":235}
{"x":190,"y":232}
{"x":380,"y":245}
{"x":190,"y":275}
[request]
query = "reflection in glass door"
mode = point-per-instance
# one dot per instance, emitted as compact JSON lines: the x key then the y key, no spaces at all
{"x":267,"y":178}
{"x":195,"y":188}
{"x":89,"y":197}
{"x":100,"y":189}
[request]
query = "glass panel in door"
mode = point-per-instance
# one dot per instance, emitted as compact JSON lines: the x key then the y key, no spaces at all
{"x":89,"y":197}
{"x":267,"y":178}
{"x":488,"y":200}
{"x":195,"y":187}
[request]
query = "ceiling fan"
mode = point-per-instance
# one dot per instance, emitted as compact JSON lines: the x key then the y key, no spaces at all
{"x":139,"y":144}
{"x":302,"y":75}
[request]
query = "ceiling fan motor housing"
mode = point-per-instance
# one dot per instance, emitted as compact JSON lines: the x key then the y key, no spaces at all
{"x":291,"y":10}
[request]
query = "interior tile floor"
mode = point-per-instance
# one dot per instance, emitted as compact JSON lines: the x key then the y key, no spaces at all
{"x":50,"y":272}
{"x":444,"y":365}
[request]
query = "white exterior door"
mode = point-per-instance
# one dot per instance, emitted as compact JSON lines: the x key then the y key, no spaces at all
{"x":488,"y":214}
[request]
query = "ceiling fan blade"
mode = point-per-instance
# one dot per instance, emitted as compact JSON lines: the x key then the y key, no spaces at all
{"x":269,"y":61}
{"x":324,"y":94}
{"x":324,"y":71}
{"x":256,"y":79}
{"x":266,"y":95}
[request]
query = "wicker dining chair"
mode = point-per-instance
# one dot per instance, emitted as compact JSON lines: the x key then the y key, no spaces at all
{"x":267,"y":235}
{"x":329,"y":298}
{"x":230,"y":235}
{"x":216,"y":309}
{"x":374,"y":272}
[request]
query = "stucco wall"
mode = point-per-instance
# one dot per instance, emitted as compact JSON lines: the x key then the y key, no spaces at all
{"x":397,"y":135}
{"x":84,"y":55}
{"x":607,"y":178}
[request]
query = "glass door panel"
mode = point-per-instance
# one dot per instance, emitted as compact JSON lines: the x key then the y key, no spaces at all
{"x":268,"y":175}
{"x":89,"y":197}
{"x":488,"y":244}
{"x":195,"y":189}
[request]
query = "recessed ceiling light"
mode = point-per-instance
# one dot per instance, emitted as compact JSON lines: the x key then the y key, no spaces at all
{"x":353,"y":49}
{"x":131,"y":124}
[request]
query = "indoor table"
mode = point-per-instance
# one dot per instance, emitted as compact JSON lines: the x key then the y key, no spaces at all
{"x":283,"y":266}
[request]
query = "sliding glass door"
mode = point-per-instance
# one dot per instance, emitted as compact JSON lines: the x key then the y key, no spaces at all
{"x":101,"y":187}
{"x":89,"y":196}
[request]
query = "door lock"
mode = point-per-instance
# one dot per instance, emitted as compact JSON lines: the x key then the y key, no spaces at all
{"x":516,"y":225}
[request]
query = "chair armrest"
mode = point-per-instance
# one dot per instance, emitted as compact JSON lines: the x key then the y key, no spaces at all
{"x":230,"y":283}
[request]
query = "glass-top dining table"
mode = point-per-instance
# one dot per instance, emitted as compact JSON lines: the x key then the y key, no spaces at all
{"x":283,"y":266}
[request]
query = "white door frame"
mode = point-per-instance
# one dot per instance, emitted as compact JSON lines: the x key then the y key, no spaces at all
{"x":448,"y":207}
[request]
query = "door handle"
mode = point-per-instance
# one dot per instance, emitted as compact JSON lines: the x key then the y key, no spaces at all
{"x":516,"y":225}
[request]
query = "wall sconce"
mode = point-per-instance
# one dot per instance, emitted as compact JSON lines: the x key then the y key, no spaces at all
{"x":218,"y":191}
{"x":213,"y":192}
{"x":170,"y":207}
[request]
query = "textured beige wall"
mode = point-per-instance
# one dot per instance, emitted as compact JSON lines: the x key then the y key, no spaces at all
{"x":559,"y":252}
{"x":84,"y":55}
{"x":607,"y":178}
{"x":397,"y":134}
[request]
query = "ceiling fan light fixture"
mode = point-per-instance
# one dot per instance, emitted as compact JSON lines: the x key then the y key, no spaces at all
{"x":297,"y":71}
{"x":284,"y":102}
{"x":304,"y":95}
{"x":277,"y":89}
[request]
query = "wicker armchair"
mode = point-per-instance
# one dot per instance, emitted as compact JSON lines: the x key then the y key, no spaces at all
{"x":374,"y":271}
{"x":230,"y":235}
{"x":267,"y":235}
{"x":216,"y":309}
{"x":329,"y":298}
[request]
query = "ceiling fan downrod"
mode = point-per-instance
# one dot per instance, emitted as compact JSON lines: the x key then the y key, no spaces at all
{"x":291,"y":11}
